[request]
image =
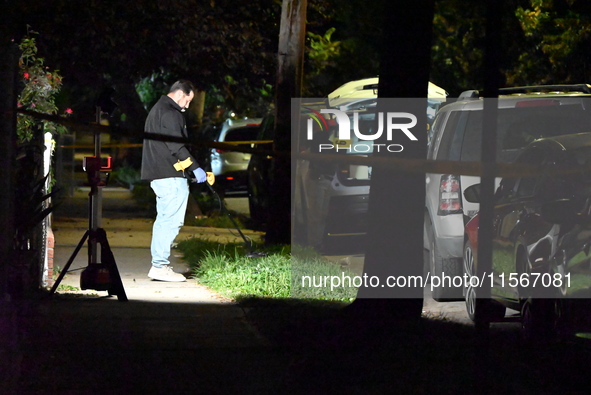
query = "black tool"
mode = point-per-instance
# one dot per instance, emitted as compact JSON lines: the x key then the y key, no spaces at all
{"x":223,"y":210}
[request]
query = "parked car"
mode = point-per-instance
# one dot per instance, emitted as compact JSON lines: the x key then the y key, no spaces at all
{"x":229,"y":167}
{"x":541,"y":258}
{"x":524,"y":114}
{"x":259,"y":175}
{"x":331,"y":199}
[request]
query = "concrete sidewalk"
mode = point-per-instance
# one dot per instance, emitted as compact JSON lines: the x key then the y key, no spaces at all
{"x":129,"y":236}
{"x":129,"y":240}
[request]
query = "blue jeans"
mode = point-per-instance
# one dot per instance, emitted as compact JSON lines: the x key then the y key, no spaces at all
{"x":171,"y":205}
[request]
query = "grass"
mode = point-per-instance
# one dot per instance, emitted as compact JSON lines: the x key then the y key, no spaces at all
{"x":228,"y":270}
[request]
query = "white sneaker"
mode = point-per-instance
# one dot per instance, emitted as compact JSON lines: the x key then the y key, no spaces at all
{"x":165,"y":273}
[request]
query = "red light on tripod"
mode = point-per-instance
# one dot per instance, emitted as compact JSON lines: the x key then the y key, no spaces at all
{"x":108,"y":165}
{"x":92,"y":163}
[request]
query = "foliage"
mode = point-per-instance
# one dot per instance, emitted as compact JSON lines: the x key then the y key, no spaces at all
{"x":151,"y":88}
{"x":40,"y":86}
{"x":342,"y":44}
{"x":321,"y":53}
{"x":127,"y":175}
{"x":457,"y":50}
{"x":113,"y":42}
{"x":560,"y":32}
{"x":229,"y":47}
{"x":322,"y":50}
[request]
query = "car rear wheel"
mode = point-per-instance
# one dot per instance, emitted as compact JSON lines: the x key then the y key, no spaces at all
{"x":439,"y":267}
{"x":481,"y":311}
{"x":538,"y":313}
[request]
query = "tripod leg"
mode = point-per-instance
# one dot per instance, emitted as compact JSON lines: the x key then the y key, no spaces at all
{"x":65,"y":269}
{"x":108,"y":259}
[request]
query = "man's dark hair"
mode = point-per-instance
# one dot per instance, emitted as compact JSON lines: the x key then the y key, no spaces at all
{"x":184,"y":85}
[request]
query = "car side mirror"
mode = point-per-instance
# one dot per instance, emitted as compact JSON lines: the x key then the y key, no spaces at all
{"x":563,"y":211}
{"x":472,"y":193}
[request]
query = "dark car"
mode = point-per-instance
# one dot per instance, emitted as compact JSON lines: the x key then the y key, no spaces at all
{"x":259,"y":174}
{"x":541,"y":240}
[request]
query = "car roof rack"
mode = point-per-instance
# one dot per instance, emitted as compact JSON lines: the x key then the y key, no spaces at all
{"x":469,"y":95}
{"x":583,"y":88}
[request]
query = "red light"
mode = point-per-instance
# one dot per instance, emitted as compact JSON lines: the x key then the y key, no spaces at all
{"x":537,"y":103}
{"x":229,"y":178}
{"x":449,"y":195}
{"x":450,"y":185}
{"x":108,"y":166}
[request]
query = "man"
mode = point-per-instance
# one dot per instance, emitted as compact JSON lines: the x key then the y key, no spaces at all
{"x":165,"y":159}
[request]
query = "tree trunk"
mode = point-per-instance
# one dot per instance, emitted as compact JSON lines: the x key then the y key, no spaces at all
{"x":396,"y":202}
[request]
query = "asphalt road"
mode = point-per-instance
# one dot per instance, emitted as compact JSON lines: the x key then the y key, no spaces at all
{"x":238,"y":204}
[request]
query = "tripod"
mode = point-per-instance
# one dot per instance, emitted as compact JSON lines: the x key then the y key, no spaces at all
{"x":101,"y":276}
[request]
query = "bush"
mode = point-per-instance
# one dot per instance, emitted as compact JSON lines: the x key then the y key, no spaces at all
{"x":127,"y":176}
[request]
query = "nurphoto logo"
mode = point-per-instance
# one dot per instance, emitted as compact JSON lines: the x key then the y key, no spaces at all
{"x":347,"y":128}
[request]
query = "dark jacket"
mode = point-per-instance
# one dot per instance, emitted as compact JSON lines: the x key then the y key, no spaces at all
{"x":160,"y":152}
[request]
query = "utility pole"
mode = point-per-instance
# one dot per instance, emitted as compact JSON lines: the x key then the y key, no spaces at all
{"x":288,"y":85}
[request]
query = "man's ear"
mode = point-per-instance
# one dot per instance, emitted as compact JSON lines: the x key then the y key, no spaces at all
{"x":176,"y":95}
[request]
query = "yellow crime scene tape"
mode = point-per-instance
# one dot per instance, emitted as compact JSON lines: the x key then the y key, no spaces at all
{"x":397,"y":165}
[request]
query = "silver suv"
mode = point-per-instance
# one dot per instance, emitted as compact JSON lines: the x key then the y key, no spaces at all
{"x":228,"y":166}
{"x":525,"y":114}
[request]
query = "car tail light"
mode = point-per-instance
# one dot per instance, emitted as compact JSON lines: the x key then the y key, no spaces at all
{"x":450,"y":195}
{"x":220,"y":151}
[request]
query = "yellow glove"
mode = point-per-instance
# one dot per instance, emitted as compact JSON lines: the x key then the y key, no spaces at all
{"x":180,"y":166}
{"x":210,"y":178}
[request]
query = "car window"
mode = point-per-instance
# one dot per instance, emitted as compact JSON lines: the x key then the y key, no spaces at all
{"x":434,"y":133}
{"x":470,"y":148}
{"x":444,"y":140}
{"x":526,"y":186}
{"x":247,"y":133}
{"x":516,"y":128}
{"x":506,"y":188}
